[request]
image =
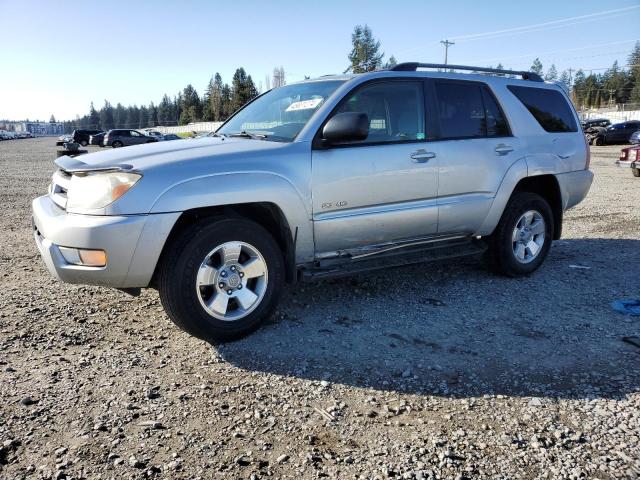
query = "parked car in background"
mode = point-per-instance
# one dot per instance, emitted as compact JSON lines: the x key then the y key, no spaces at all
{"x":171,"y":136}
{"x":635,"y":137}
{"x":4,"y":135}
{"x":97,"y":139}
{"x":126,"y":137}
{"x":408,"y":166}
{"x":592,"y":127}
{"x":153,"y":133}
{"x":595,"y":122}
{"x":617,"y":133}
{"x":83,"y":136}
{"x":630,"y":158}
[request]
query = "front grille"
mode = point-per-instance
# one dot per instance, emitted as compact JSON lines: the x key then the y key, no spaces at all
{"x":59,"y":187}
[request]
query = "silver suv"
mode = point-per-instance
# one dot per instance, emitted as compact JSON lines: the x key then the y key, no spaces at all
{"x":320,"y":178}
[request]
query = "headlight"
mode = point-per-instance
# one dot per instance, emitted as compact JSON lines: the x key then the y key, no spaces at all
{"x":97,"y":190}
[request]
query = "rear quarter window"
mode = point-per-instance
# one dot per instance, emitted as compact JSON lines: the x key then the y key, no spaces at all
{"x":548,"y":107}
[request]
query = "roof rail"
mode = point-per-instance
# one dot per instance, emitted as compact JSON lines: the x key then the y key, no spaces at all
{"x":413,"y":66}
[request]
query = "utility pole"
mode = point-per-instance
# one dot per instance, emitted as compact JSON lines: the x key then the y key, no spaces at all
{"x":570,"y":78}
{"x":446,"y":44}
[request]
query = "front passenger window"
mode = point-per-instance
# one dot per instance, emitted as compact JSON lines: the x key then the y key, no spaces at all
{"x":395,"y":110}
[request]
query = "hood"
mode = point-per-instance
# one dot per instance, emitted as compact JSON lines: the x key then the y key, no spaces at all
{"x":153,"y":155}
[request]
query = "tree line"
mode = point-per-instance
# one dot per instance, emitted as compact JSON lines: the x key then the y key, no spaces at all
{"x":217,"y":103}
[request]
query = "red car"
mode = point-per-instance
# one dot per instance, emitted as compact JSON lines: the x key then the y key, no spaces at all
{"x":630,"y":157}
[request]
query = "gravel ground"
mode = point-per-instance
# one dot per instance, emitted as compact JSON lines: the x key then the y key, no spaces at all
{"x":433,"y":371}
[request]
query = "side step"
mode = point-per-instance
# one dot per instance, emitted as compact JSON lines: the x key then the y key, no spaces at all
{"x":397,"y":258}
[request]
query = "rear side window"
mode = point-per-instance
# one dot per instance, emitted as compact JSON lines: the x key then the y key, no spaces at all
{"x":468,"y":110}
{"x":549,"y":108}
{"x":460,"y":110}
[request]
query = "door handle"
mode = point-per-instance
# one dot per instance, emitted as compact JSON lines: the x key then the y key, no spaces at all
{"x":503,"y":149}
{"x":422,"y":156}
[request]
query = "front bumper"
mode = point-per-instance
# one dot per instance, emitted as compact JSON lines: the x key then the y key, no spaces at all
{"x":133,"y":244}
{"x":574,"y":186}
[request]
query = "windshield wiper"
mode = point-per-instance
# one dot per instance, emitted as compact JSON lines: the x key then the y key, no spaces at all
{"x":245,"y":134}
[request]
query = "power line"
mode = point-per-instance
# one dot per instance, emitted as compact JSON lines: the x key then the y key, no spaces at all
{"x":551,"y":24}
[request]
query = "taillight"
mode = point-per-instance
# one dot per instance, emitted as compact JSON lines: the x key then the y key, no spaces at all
{"x":638,"y":154}
{"x":624,"y":153}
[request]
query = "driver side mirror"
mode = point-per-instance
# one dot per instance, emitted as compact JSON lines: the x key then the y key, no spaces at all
{"x":346,"y":127}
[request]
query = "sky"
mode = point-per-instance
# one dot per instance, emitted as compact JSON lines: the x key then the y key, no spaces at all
{"x":58,"y":56}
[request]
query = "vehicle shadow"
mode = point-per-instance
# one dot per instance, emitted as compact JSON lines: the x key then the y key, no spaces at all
{"x":453,"y":329}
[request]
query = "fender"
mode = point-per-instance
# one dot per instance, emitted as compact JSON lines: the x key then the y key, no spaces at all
{"x":516,"y":172}
{"x":244,"y":187}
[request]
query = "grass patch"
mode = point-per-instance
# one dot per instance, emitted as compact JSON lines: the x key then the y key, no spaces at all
{"x":185,"y":134}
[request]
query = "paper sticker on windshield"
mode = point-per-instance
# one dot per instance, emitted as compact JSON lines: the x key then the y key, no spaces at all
{"x":304,"y":105}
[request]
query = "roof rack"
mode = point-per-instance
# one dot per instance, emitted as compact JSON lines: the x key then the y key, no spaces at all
{"x":413,"y":66}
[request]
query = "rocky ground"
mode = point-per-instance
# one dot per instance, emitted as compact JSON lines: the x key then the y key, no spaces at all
{"x":432,"y":371}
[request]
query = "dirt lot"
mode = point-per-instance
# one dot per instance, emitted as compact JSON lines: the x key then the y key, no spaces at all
{"x":433,"y":371}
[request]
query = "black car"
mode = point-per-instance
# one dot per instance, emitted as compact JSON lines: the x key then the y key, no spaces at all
{"x":617,"y":133}
{"x":97,"y":139}
{"x":83,"y":136}
{"x":171,"y":136}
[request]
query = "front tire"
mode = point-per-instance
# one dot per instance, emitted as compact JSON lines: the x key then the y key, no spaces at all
{"x":116,"y":144}
{"x":636,"y":172}
{"x":219,"y":280}
{"x":598,"y":141}
{"x":522,"y":239}
{"x":84,"y":143}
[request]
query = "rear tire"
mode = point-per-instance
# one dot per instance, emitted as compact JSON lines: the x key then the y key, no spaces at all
{"x":84,"y":143}
{"x":200,"y":261}
{"x":116,"y":144}
{"x":522,"y":239}
{"x":599,"y":141}
{"x":636,"y":172}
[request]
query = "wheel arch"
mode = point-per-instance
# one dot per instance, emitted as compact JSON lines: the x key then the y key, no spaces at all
{"x":548,"y":188}
{"x":517,"y":179}
{"x":267,"y":214}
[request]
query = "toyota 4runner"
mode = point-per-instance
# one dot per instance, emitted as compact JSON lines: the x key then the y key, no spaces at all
{"x":320,"y":178}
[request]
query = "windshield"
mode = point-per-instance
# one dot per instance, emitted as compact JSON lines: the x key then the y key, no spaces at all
{"x":281,"y":113}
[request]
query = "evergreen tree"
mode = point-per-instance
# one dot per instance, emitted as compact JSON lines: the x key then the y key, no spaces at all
{"x":392,"y":62}
{"x":93,"y":121}
{"x":207,"y":112}
{"x":634,"y":74}
{"x":143,"y":117}
{"x":536,"y":67}
{"x":578,"y":89}
{"x":242,"y":89}
{"x":133,"y":117}
{"x":565,"y":79}
{"x":552,"y":74}
{"x":120,"y":116}
{"x":365,"y":55}
{"x":106,"y":117}
{"x":153,"y":115}
{"x":191,"y":109}
{"x":217,"y":100}
{"x":225,"y":102}
{"x":52,"y":119}
{"x":165,"y":111}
